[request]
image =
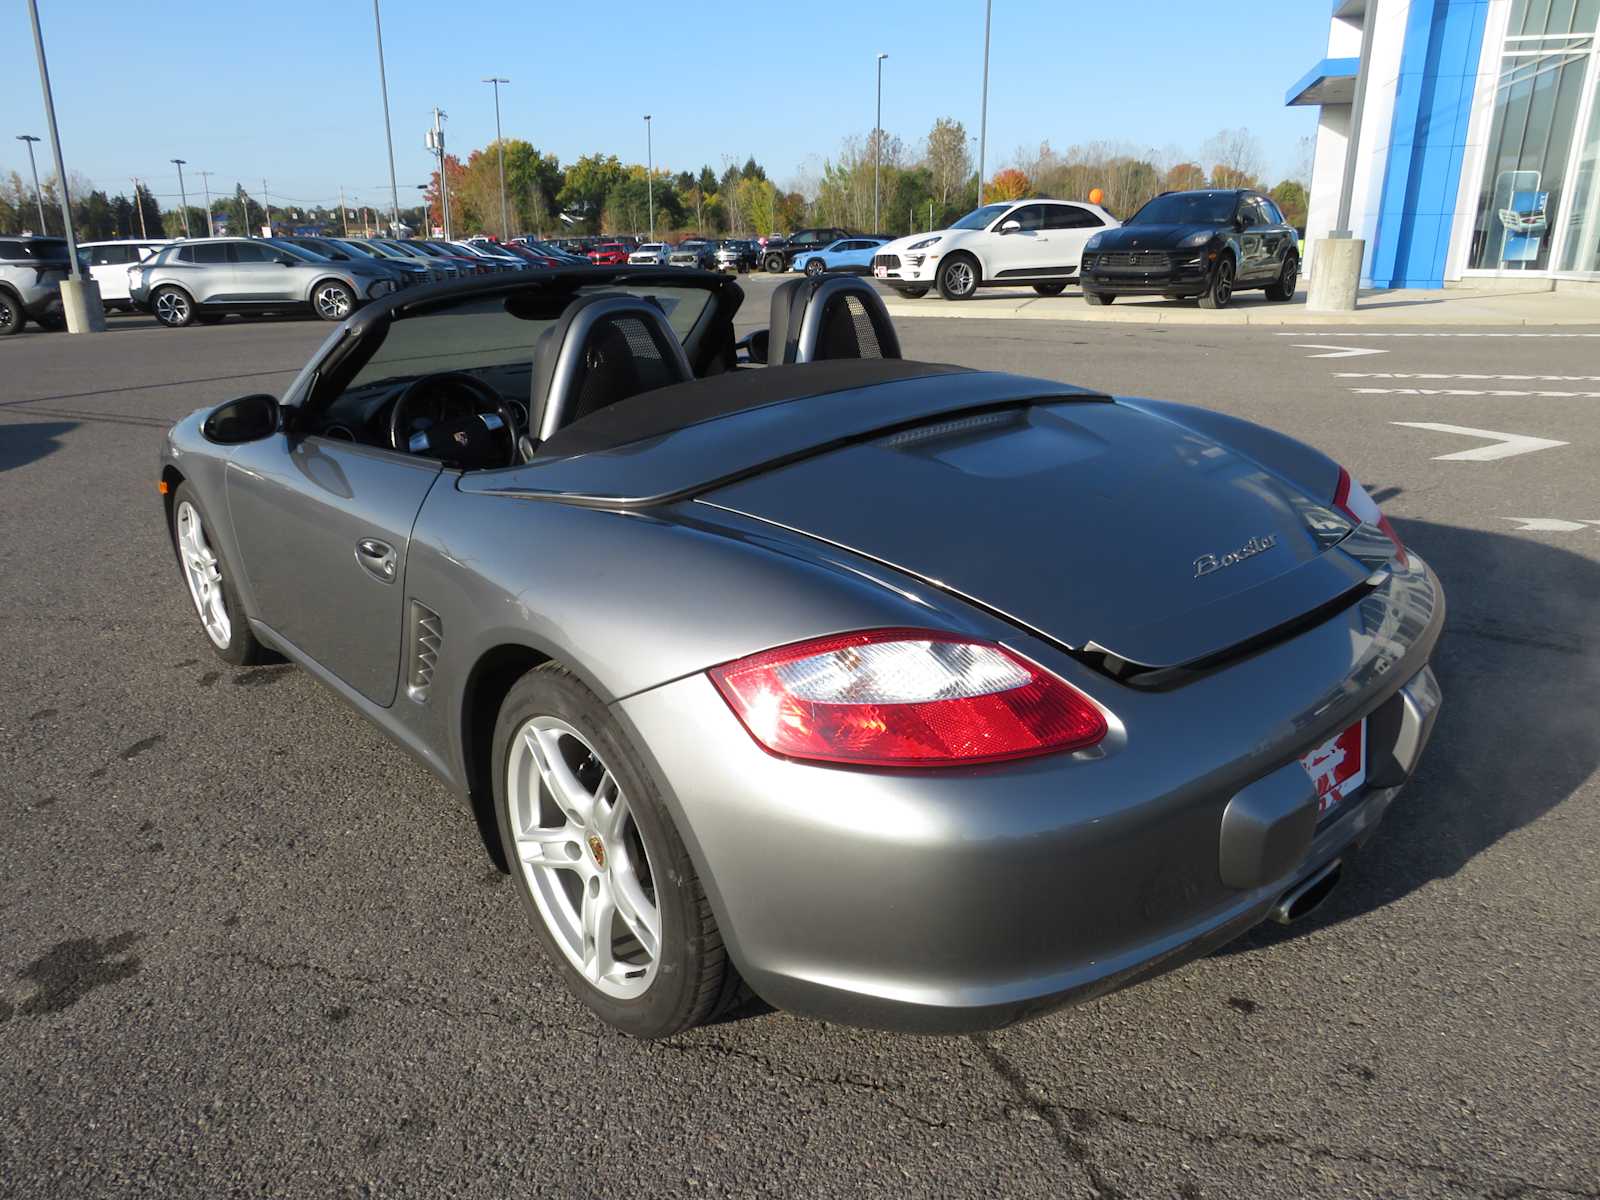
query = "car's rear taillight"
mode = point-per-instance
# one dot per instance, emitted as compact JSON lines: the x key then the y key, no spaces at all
{"x":1352,"y":500}
{"x":905,"y":698}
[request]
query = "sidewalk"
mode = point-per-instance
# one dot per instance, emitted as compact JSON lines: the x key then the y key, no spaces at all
{"x":1376,"y":309}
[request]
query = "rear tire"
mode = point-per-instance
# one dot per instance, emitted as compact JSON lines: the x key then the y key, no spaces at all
{"x":1098,"y":297}
{"x":554,"y":735}
{"x":209,"y":581}
{"x":172,"y":306}
{"x":12,"y":318}
{"x":773,"y":263}
{"x":1050,"y":289}
{"x":959,"y":276}
{"x":1220,"y":289}
{"x":816,"y":267}
{"x":1283,"y":287}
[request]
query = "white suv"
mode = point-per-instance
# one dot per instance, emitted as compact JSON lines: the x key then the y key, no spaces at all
{"x":109,"y":263}
{"x":1030,"y":242}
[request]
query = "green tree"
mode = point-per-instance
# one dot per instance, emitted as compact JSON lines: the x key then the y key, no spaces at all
{"x":1290,"y":196}
{"x":586,"y":185}
{"x":948,"y":162}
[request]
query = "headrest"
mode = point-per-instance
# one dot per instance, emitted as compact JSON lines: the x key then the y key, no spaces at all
{"x":603,"y":348}
{"x":829,"y":317}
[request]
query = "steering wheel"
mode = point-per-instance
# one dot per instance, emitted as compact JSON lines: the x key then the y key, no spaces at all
{"x":486,"y":437}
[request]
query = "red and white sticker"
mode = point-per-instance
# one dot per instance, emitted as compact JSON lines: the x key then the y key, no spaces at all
{"x":1339,"y":766}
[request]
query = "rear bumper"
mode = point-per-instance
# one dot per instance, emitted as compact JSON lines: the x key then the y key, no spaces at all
{"x":949,"y":902}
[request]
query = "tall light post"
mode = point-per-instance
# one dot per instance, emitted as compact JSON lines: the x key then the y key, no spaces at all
{"x":877,"y":147}
{"x":505,"y":225}
{"x":205,"y":182}
{"x":983,"y":119}
{"x":80,"y":298}
{"x":388,"y":133}
{"x":649,"y":175}
{"x":38,"y":194}
{"x":183,"y":196}
{"x":435,"y":142}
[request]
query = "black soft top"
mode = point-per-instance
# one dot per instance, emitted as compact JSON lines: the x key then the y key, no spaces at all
{"x":651,"y":414}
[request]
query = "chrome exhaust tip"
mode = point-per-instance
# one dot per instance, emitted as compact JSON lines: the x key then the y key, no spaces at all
{"x":1307,"y":896}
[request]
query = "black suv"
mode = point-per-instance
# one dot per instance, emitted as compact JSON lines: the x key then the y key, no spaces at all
{"x":780,"y":256}
{"x":1203,"y":245}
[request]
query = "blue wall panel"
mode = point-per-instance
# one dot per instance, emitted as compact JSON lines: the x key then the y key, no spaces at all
{"x":1427,"y":141}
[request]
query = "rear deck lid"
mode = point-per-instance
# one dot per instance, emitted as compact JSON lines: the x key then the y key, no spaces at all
{"x":1094,"y":524}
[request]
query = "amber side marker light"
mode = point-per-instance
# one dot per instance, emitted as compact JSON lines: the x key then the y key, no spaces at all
{"x":161,"y":486}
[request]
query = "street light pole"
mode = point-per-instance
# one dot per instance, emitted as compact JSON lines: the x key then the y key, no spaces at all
{"x":388,"y":133}
{"x":505,"y":225}
{"x":38,"y":194}
{"x":266,"y":205}
{"x":205,"y":182}
{"x":649,"y":175}
{"x":983,"y":119}
{"x":80,"y":298}
{"x":877,"y":146}
{"x":183,"y":196}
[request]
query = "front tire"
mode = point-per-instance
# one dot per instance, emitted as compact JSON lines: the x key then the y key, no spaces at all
{"x":172,"y":306}
{"x":1098,"y":297}
{"x":1283,"y":287}
{"x":332,"y":301}
{"x":1220,"y":290}
{"x":1054,"y":288}
{"x":610,"y":888}
{"x":816,"y":267}
{"x":210,"y":584}
{"x":773,"y":263}
{"x":12,"y":318}
{"x":958,"y":277}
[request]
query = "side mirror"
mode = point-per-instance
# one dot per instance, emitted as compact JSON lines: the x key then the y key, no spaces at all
{"x":1011,"y":227}
{"x":247,"y":419}
{"x":1241,"y":223}
{"x":754,"y":345}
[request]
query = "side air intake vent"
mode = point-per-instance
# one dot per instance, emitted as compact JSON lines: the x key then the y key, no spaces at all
{"x":425,"y":636}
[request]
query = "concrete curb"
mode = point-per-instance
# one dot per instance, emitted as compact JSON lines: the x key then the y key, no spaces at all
{"x":1500,"y":309}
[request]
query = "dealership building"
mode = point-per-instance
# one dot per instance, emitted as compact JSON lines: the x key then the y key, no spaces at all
{"x":1478,"y":154}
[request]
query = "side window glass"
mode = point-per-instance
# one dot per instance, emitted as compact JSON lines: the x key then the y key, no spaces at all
{"x":1029,"y":216}
{"x":249,"y":252}
{"x":1274,"y":213}
{"x":185,"y":255}
{"x":210,"y":254}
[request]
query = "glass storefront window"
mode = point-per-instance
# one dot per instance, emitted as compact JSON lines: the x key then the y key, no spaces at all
{"x":1580,"y":250}
{"x":1545,"y":68}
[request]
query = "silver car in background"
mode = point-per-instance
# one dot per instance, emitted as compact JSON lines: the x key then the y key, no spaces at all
{"x":395,"y":251}
{"x":651,"y":254}
{"x":206,"y":279}
{"x":693,"y":253}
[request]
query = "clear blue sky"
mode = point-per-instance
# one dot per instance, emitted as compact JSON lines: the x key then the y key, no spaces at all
{"x":290,"y":92}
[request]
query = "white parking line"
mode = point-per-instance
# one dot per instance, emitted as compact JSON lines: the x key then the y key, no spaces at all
{"x":1468,"y":375}
{"x":1408,"y":391}
{"x":1363,"y":334}
{"x":1505,"y":445}
{"x":1549,"y":524}
{"x":1337,"y":351}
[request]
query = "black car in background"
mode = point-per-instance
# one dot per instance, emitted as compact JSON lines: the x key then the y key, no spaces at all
{"x":779,"y":255}
{"x":1203,"y":245}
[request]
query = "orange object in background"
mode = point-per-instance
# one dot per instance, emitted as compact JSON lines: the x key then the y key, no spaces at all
{"x":1096,"y":196}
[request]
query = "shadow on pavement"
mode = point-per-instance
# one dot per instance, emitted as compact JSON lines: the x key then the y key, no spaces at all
{"x":21,"y":444}
{"x":1520,"y":667}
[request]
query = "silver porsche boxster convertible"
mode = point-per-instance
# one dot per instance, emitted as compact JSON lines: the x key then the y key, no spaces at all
{"x":892,"y":692}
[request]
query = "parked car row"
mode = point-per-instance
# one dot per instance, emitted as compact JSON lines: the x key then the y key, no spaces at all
{"x":1204,"y":245}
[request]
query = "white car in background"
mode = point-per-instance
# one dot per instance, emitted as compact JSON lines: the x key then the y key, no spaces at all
{"x":109,"y":262}
{"x":651,"y":254}
{"x":1036,"y":243}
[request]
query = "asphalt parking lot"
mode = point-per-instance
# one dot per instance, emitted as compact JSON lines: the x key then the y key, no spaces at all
{"x":247,"y":946}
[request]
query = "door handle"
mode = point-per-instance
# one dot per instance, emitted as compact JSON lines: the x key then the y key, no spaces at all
{"x":377,"y":558}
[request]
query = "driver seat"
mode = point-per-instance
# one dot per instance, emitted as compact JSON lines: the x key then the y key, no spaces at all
{"x":604,"y":348}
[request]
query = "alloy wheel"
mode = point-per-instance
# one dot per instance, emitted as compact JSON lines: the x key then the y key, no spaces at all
{"x":1291,"y":276}
{"x":203,"y":572}
{"x":584,"y":858}
{"x":333,"y":302}
{"x":172,"y":308}
{"x":1224,"y":286}
{"x":959,"y":278}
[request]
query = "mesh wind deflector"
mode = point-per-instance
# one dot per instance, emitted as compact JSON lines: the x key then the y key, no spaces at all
{"x":622,"y":359}
{"x":847,"y":330}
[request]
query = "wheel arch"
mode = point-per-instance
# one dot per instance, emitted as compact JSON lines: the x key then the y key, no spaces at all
{"x":311,"y":292}
{"x":488,"y":682}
